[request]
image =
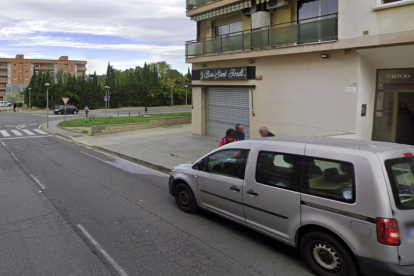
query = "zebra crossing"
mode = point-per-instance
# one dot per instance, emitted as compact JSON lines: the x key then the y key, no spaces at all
{"x":21,"y":133}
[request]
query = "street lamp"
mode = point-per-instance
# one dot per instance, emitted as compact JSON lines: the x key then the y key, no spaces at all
{"x":64,"y":74}
{"x":29,"y":97}
{"x":186,"y":87}
{"x":107,"y":100}
{"x":172,"y":97}
{"x":47,"y":104}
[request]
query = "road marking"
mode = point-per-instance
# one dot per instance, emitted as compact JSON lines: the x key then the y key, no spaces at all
{"x":9,"y":126}
{"x":16,"y":132}
{"x":4,"y":145}
{"x":14,"y":157}
{"x":41,"y":125}
{"x":25,"y":137}
{"x":103,"y":252}
{"x":38,"y":182}
{"x":4,"y":133}
{"x":33,"y":124}
{"x":28,"y":132}
{"x":39,"y":131}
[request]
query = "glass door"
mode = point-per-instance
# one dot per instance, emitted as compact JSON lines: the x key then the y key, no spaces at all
{"x":384,"y":117}
{"x":405,"y":119}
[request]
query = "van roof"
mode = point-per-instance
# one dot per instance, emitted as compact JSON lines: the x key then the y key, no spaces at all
{"x":371,"y":146}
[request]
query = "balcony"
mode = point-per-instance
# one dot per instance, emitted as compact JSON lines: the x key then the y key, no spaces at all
{"x":191,"y":4}
{"x":3,"y":64}
{"x":3,"y":72}
{"x":310,"y":30}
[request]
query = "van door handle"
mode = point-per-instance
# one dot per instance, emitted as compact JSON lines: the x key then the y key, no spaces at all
{"x":251,"y":192}
{"x":234,"y":188}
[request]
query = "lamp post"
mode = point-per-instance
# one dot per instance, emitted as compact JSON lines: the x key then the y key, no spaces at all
{"x":64,"y":74}
{"x":47,"y":104}
{"x":29,"y":97}
{"x":186,"y":87}
{"x":172,"y":97}
{"x":107,"y":100}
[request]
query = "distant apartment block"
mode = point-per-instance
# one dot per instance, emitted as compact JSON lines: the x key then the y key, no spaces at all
{"x":15,"y":73}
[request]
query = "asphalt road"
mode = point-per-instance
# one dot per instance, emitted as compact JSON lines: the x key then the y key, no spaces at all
{"x":100,"y":215}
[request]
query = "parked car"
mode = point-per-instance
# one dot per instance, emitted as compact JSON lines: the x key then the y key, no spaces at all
{"x":8,"y":104}
{"x":347,"y":205}
{"x":69,"y":109}
{"x":4,"y":104}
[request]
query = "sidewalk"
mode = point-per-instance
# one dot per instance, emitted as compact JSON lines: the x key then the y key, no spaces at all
{"x":164,"y":147}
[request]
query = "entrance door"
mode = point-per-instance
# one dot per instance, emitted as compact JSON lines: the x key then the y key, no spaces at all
{"x":226,"y":107}
{"x":394,"y":120}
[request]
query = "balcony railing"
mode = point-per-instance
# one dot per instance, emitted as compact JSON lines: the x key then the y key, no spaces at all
{"x":305,"y":31}
{"x":3,"y":64}
{"x":3,"y":72}
{"x":191,"y":4}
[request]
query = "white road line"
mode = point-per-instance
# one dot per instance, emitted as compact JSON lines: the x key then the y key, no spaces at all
{"x":38,"y":182}
{"x":33,"y":124}
{"x":25,"y":137}
{"x":28,"y":132}
{"x":4,"y":133}
{"x":4,"y":145}
{"x":14,"y":157}
{"x":104,"y":253}
{"x":16,"y":132}
{"x":40,"y":131}
{"x":9,"y":126}
{"x":41,"y":125}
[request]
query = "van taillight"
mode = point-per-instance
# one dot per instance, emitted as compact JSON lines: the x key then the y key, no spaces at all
{"x":387,"y":232}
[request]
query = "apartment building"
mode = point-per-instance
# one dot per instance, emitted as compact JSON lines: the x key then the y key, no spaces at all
{"x":15,"y":73}
{"x":304,"y":67}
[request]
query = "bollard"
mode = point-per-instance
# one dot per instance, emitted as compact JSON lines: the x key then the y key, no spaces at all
{"x":129,"y":114}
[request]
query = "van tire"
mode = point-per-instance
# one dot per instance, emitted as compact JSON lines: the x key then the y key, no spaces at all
{"x":185,"y":199}
{"x":327,"y":256}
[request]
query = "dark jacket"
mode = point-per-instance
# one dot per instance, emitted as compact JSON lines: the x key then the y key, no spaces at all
{"x":269,"y":134}
{"x":240,"y":136}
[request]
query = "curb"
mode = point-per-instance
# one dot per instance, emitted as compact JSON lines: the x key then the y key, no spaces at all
{"x":124,"y":156}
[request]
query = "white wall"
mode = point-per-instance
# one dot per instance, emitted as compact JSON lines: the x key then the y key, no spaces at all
{"x":356,"y":16}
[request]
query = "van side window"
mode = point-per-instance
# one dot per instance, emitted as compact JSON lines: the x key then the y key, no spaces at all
{"x":231,"y":163}
{"x":330,"y":179}
{"x":279,"y":170}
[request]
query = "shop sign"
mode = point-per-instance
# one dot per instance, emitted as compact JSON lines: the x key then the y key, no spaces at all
{"x":237,"y":73}
{"x":396,"y":79}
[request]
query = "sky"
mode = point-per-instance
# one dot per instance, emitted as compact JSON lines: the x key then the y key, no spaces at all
{"x":125,"y":33}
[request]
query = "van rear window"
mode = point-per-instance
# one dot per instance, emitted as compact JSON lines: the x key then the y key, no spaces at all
{"x":401,"y":175}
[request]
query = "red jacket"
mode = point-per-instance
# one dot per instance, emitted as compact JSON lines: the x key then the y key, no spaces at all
{"x":225,"y":141}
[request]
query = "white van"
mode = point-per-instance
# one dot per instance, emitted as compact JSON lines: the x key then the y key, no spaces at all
{"x":4,"y":104}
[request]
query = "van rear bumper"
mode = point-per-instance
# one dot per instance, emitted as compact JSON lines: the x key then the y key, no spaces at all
{"x":373,"y":267}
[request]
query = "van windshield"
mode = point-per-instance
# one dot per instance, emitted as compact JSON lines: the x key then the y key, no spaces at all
{"x":401,"y":174}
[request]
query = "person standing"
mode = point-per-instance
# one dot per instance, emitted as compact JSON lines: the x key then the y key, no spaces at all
{"x":86,"y":111}
{"x":229,"y":138}
{"x":14,"y":107}
{"x":264,"y":132}
{"x":239,"y":132}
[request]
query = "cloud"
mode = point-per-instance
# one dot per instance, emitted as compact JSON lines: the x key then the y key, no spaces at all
{"x":150,"y":29}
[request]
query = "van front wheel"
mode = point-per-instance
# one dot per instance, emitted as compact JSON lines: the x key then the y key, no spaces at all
{"x":327,"y":256}
{"x":185,"y":198}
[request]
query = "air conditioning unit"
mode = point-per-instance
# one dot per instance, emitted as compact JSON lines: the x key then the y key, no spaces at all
{"x":249,"y":11}
{"x":275,"y":4}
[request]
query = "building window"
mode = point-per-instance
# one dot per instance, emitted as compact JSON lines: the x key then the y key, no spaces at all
{"x":27,"y":72}
{"x":27,"y":78}
{"x":20,"y":71}
{"x":308,"y":9}
{"x":21,"y":78}
{"x":60,"y":65}
{"x":229,"y":29}
{"x":20,"y":64}
{"x":14,"y":64}
{"x":14,"y":71}
{"x":71,"y":66}
{"x":14,"y":78}
{"x":27,"y":65}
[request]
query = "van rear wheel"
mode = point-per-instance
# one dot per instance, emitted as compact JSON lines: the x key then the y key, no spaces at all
{"x":327,"y":256}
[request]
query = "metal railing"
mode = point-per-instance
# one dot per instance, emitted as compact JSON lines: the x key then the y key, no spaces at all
{"x":305,"y":31}
{"x":191,"y":4}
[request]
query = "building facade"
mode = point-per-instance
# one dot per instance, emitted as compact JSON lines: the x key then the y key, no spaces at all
{"x":15,"y":73}
{"x":304,"y":67}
